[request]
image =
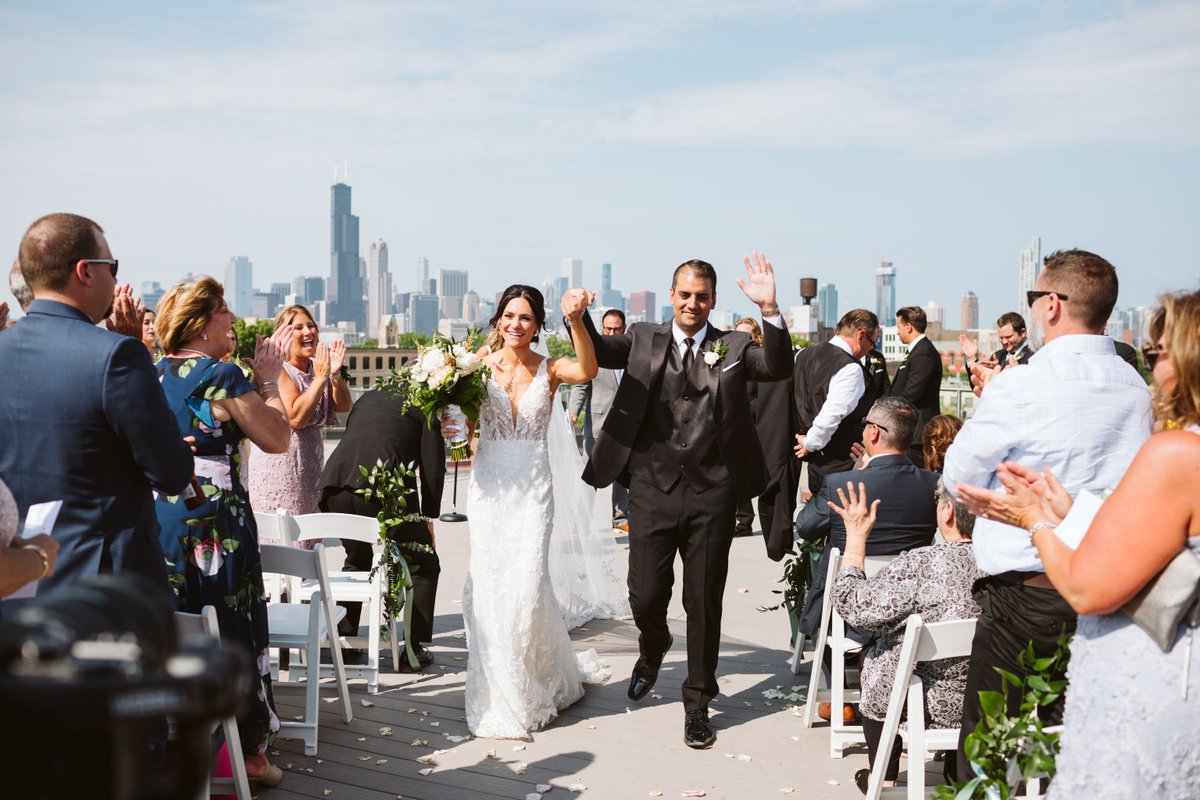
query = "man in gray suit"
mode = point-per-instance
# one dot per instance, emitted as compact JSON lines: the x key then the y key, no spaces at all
{"x":595,"y":398}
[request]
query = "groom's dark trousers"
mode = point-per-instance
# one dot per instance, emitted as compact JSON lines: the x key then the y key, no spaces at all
{"x":685,"y":444}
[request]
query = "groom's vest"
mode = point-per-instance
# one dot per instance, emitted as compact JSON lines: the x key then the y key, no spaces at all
{"x":677,"y":439}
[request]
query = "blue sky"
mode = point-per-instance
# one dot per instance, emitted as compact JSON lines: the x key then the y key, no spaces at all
{"x":504,"y":137}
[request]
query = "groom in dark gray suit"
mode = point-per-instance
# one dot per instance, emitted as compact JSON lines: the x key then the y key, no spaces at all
{"x":681,"y":437}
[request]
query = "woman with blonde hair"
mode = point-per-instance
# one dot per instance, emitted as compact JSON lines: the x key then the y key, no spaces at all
{"x":311,"y":388}
{"x":1134,"y":659}
{"x":936,"y":439}
{"x":208,"y":535}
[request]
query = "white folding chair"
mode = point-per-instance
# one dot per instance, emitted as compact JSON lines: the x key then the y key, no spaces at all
{"x":922,"y":642}
{"x":832,"y":634}
{"x":278,"y":528}
{"x":199,"y":625}
{"x":306,"y":627}
{"x":360,"y":587}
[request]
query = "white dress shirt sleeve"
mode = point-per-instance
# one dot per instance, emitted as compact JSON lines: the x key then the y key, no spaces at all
{"x":845,"y":390}
{"x":776,"y":320}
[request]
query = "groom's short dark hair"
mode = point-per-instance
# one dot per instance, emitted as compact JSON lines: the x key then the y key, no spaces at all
{"x":701,"y":269}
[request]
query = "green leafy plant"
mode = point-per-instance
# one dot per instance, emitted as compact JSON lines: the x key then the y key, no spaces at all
{"x":1007,"y":750}
{"x":796,"y":578}
{"x":386,"y":487}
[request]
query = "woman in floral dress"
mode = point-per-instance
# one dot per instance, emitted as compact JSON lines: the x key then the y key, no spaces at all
{"x":210,"y":540}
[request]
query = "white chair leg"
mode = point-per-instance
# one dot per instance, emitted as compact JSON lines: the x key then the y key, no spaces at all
{"x":312,"y":705}
{"x":237,"y":760}
{"x":797,"y":653}
{"x":374,"y":609}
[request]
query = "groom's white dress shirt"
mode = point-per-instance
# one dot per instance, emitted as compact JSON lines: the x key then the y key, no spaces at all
{"x":1076,"y":408}
{"x":700,"y":335}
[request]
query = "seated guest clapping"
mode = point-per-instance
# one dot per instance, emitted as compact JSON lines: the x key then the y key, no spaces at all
{"x":21,"y":560}
{"x":934,"y":582}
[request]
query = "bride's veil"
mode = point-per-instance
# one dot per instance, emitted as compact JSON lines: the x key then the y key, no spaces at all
{"x":586,"y":566}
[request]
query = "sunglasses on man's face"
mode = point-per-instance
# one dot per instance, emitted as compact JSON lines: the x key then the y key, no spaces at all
{"x":1032,"y":295}
{"x":111,"y":263}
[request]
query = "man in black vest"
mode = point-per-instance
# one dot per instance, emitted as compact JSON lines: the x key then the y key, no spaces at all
{"x":830,"y":387}
{"x":681,"y":436}
{"x":379,"y":428}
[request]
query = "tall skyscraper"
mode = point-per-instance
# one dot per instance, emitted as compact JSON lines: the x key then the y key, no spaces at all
{"x":308,"y":288}
{"x":935,"y":314}
{"x":422,"y":269}
{"x":379,"y":285}
{"x":1031,"y":268}
{"x":968,"y":312}
{"x":609,"y":297}
{"x":422,"y":313}
{"x":152,"y":292}
{"x":885,"y":293}
{"x":470,"y":308}
{"x":641,"y":304}
{"x":827,"y":305}
{"x":452,"y":285}
{"x":345,"y":290}
{"x":239,"y":285}
{"x":572,"y":270}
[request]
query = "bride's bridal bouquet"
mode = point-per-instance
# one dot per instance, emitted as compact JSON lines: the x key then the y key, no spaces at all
{"x":445,"y":377}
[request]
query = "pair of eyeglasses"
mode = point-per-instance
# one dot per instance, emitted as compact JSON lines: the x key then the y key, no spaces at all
{"x":111,"y":263}
{"x":867,"y":422}
{"x":1152,"y":353}
{"x":1033,"y":295}
{"x":615,"y":330}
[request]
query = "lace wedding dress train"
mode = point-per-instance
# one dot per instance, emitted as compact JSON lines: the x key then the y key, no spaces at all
{"x":521,"y":667}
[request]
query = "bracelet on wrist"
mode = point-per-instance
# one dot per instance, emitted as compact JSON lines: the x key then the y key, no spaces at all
{"x":769,"y":311}
{"x":45,"y":558}
{"x":1040,"y":526}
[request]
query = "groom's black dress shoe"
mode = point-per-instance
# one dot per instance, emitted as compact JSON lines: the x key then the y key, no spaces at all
{"x":645,"y":674}
{"x":697,"y":732}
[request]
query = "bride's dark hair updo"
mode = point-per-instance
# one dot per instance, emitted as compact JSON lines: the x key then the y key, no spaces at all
{"x":531,"y":296}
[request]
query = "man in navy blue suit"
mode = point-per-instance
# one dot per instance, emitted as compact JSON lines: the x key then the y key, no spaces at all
{"x":907,"y":515}
{"x":82,"y":416}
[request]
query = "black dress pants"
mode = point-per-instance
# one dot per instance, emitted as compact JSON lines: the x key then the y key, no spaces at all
{"x":1013,"y":616}
{"x":698,"y":525}
{"x":425,"y":567}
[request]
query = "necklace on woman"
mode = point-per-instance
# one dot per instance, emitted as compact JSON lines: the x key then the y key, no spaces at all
{"x":193,"y":352}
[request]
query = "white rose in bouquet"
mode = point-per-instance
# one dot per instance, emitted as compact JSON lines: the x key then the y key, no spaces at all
{"x":432,"y":359}
{"x":439,"y":375}
{"x":468,"y":362}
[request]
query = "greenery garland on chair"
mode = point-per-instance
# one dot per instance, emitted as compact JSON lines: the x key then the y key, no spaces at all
{"x":385,"y":486}
{"x":1007,"y":751}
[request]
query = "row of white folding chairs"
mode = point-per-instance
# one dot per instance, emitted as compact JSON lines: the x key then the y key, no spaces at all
{"x":286,"y":530}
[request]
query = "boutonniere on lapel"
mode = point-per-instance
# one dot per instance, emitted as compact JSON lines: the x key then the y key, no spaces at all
{"x":714,"y":352}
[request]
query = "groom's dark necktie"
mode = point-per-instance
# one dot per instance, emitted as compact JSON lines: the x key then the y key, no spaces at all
{"x":688,"y":359}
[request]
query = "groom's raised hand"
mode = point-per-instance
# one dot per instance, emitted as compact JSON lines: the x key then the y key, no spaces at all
{"x":575,"y":302}
{"x":759,"y":285}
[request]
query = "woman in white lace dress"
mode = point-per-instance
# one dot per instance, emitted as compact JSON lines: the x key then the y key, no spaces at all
{"x":521,"y":667}
{"x":1132,"y":716}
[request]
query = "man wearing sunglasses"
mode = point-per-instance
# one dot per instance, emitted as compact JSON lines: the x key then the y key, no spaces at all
{"x":1076,"y":409}
{"x":84,"y":418}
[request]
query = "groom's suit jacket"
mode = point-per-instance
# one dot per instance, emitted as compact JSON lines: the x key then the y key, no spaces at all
{"x":643,"y":353}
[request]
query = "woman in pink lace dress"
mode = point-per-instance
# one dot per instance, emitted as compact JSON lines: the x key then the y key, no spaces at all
{"x":312,"y":389}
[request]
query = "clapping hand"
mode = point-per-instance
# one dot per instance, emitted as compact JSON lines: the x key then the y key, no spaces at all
{"x":270,"y":353}
{"x":321,"y":363}
{"x":969,"y":349}
{"x":858,"y":516}
{"x":337,"y":357}
{"x":126,"y":315}
{"x":3,"y":315}
{"x":981,"y":375}
{"x":1028,"y":497}
{"x":759,"y":285}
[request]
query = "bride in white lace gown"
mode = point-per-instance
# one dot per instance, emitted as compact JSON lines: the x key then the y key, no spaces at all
{"x":521,"y":668}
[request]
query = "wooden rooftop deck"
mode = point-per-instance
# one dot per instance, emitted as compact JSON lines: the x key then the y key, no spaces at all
{"x":611,"y":746}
